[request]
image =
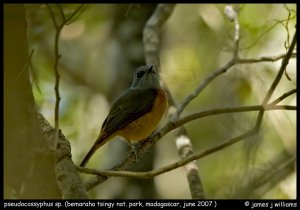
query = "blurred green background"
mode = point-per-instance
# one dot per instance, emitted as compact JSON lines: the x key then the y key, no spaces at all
{"x":102,"y":48}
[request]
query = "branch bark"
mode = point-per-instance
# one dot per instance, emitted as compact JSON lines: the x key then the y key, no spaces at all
{"x":152,"y":32}
{"x":69,"y":181}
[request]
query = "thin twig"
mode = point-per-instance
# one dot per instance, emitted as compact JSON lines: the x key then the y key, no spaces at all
{"x":52,"y":16}
{"x":77,"y":12}
{"x":265,"y":32}
{"x":276,"y":81}
{"x":285,"y":62}
{"x":234,"y":61}
{"x":264,"y":59}
{"x":57,"y":79}
{"x":61,"y":13}
{"x":207,"y":113}
{"x":219,"y":71}
{"x":26,"y":66}
{"x":222,"y":70}
{"x":57,"y":56}
{"x":206,"y":81}
{"x":276,"y":101}
{"x":287,"y":43}
{"x":69,"y":184}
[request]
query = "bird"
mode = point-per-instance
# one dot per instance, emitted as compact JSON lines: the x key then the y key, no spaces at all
{"x":136,"y":113}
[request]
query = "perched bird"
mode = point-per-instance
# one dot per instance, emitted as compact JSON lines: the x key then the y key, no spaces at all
{"x":136,"y":113}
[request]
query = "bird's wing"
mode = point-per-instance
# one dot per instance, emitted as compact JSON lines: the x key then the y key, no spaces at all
{"x":130,"y":106}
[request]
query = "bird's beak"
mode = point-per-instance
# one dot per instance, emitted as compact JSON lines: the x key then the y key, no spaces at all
{"x":151,"y":68}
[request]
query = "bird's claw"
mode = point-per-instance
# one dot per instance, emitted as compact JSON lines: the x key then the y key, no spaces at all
{"x":134,"y":149}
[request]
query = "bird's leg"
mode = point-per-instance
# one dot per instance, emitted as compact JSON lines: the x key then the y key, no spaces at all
{"x":134,"y":148}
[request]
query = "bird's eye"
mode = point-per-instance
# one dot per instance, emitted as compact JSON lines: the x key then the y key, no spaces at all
{"x":140,"y":74}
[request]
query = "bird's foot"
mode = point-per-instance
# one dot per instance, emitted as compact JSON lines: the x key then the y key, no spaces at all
{"x":134,"y":149}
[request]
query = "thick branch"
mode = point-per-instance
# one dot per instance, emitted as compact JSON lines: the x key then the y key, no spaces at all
{"x":151,"y":40}
{"x":68,"y":179}
{"x":151,"y":35}
{"x":185,"y":149}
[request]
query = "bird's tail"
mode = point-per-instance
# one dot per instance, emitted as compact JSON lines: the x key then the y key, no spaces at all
{"x":99,"y":142}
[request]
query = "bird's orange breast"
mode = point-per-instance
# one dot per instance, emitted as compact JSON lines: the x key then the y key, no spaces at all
{"x":145,"y":125}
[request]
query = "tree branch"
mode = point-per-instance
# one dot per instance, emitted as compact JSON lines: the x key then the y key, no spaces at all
{"x":52,"y":16}
{"x":264,"y":59}
{"x":222,"y":70}
{"x":185,"y":149}
{"x":276,"y":101}
{"x":266,"y":31}
{"x":156,"y":172}
{"x":77,"y":12}
{"x":57,"y":56}
{"x":68,"y":179}
{"x":151,"y":40}
{"x":236,"y":31}
{"x":151,"y":33}
{"x":234,"y":61}
{"x":285,"y":62}
{"x":192,"y":157}
{"x":198,"y":115}
{"x":65,"y":171}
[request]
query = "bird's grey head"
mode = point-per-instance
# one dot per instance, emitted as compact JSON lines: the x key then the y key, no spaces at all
{"x":145,"y":77}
